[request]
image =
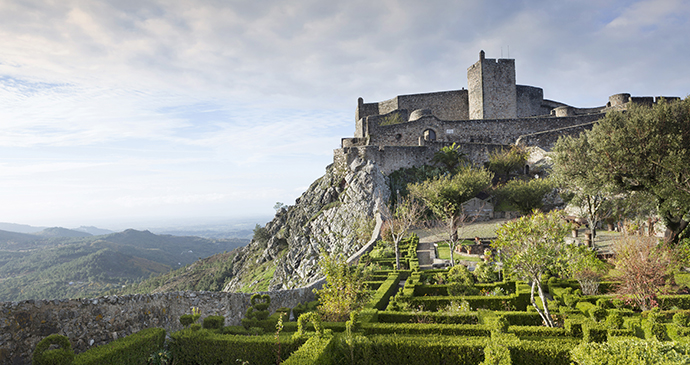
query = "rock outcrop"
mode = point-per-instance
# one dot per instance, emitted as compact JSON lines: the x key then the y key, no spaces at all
{"x":335,"y":214}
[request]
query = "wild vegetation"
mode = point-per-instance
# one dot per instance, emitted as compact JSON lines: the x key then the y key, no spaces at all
{"x":40,"y":267}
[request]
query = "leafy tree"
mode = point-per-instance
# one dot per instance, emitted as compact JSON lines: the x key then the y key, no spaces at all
{"x":504,"y":162}
{"x":406,"y":214}
{"x":343,"y":292}
{"x":576,"y":168}
{"x":646,"y":149}
{"x":444,"y":195}
{"x":583,"y":265}
{"x":530,"y":246}
{"x":644,"y":268}
{"x":526,"y":196}
{"x":450,"y":157}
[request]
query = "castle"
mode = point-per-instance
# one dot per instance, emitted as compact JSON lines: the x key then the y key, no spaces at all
{"x":494,"y":112}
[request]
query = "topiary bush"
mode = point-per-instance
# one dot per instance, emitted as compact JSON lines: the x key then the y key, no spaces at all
{"x":598,"y":314}
{"x":258,"y":310}
{"x":63,"y":355}
{"x":614,"y":320}
{"x":213,"y":322}
{"x":682,"y":319}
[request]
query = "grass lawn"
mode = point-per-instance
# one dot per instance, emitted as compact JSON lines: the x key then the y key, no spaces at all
{"x":484,"y":229}
{"x":444,"y":253}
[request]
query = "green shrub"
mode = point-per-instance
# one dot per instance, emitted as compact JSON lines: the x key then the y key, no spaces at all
{"x":134,"y":349}
{"x":654,"y":329}
{"x":484,"y":273}
{"x":604,"y":303}
{"x":499,"y":324}
{"x":312,"y":317}
{"x":585,"y":307}
{"x":301,"y":308}
{"x":460,"y":274}
{"x":593,"y":332}
{"x":257,"y":312}
{"x":543,"y":352}
{"x":317,"y":350}
{"x":539,"y":331}
{"x":614,"y":320}
{"x":630,"y":351}
{"x":682,"y":319}
{"x":421,"y":350}
{"x":433,"y":317}
{"x":389,"y":287}
{"x":427,"y":328}
{"x":188,"y":319}
{"x":207,"y":347}
{"x":598,"y":314}
{"x":573,"y":327}
{"x":63,"y":355}
{"x":213,"y":322}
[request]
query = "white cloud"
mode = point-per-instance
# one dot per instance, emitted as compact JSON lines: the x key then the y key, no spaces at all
{"x":198,"y":106}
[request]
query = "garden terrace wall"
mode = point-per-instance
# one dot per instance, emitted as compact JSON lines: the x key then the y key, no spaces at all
{"x":97,"y":321}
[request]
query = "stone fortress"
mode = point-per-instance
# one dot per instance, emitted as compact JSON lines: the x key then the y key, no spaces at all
{"x":494,"y":112}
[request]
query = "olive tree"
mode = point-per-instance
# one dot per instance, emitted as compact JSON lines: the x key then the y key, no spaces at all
{"x":646,"y":149}
{"x":445,"y":195}
{"x":529,"y":247}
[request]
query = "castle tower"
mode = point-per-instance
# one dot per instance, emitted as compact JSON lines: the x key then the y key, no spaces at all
{"x":491,"y":88}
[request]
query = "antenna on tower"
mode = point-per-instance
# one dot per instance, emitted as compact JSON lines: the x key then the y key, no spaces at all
{"x":508,"y":51}
{"x":501,"y":51}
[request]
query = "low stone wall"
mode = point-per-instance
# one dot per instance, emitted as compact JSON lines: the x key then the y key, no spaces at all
{"x":97,"y":321}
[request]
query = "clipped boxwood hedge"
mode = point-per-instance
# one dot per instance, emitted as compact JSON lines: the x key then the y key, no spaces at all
{"x":434,"y":317}
{"x":543,"y":352}
{"x":190,"y":347}
{"x":134,"y":349}
{"x":421,"y":350}
{"x":389,"y":287}
{"x":316,"y":351}
{"x":427,"y":328}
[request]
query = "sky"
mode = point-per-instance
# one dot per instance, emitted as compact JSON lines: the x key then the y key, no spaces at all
{"x":136,"y":112}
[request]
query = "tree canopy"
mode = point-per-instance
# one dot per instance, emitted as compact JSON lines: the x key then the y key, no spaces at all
{"x":530,"y":246}
{"x":444,"y":195}
{"x":647,"y":149}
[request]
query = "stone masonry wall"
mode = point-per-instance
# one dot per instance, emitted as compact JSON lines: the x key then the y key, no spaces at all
{"x":97,"y":321}
{"x":391,"y":158}
{"x":496,"y":131}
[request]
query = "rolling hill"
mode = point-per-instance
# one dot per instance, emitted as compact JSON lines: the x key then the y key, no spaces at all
{"x":61,"y":263}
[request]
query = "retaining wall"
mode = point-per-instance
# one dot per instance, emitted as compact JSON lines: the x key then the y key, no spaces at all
{"x":97,"y":321}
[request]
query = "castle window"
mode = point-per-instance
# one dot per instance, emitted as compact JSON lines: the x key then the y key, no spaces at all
{"x":429,"y":135}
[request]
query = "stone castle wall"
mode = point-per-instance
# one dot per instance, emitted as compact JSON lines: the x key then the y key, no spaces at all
{"x":97,"y":321}
{"x":391,"y":158}
{"x":495,"y":131}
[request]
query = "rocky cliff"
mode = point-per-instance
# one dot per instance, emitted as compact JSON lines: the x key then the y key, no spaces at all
{"x":335,"y":214}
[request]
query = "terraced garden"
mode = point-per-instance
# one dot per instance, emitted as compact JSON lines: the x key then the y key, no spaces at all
{"x":418,"y":317}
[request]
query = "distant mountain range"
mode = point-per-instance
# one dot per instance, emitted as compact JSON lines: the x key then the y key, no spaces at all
{"x":67,"y":263}
{"x":240,"y":229}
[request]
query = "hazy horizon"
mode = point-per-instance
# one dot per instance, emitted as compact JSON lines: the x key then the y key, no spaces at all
{"x":153,"y":111}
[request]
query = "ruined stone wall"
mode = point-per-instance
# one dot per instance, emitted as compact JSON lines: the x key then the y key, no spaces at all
{"x":496,"y":131}
{"x":97,"y":321}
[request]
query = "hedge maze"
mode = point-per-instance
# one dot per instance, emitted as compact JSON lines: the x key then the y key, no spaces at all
{"x":412,"y":317}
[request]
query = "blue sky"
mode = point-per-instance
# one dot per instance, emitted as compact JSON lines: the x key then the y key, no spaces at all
{"x":132,"y":112}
